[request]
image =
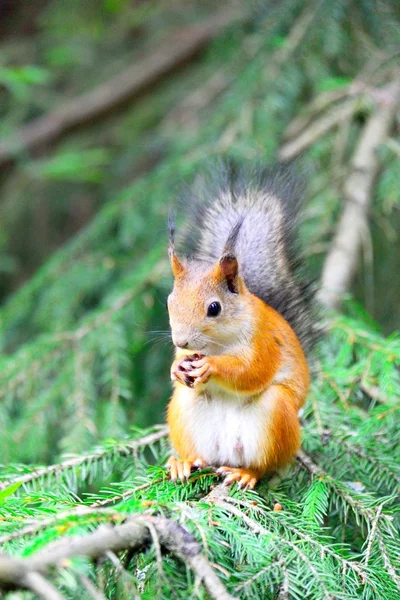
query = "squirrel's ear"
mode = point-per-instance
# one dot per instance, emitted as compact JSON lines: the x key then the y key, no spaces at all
{"x":228,"y":268}
{"x":176,"y":265}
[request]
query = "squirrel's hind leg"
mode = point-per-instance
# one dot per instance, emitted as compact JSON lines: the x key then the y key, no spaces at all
{"x":181,"y":469}
{"x":245,"y":478}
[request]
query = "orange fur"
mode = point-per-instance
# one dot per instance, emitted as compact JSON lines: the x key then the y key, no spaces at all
{"x":268,"y":368}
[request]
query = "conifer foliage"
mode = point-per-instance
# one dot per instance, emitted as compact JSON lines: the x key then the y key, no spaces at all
{"x":86,"y":506}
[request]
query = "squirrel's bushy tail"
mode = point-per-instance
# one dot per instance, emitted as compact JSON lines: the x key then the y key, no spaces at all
{"x":267,"y":203}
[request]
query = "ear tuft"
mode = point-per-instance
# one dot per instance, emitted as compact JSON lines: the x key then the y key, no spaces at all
{"x":176,"y":265}
{"x":229,"y":268}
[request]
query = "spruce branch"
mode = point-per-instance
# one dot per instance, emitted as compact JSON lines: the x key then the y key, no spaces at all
{"x":358,"y":508}
{"x":57,"y":469}
{"x":128,"y":494}
{"x":374,"y":392}
{"x":358,"y":451}
{"x":277,"y":62}
{"x":43,"y":352}
{"x":132,"y":535}
{"x":67,"y":515}
{"x":324,"y":549}
{"x":367,"y":514}
{"x":257,"y":528}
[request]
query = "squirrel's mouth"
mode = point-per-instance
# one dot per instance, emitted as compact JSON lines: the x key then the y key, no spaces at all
{"x":196,"y":348}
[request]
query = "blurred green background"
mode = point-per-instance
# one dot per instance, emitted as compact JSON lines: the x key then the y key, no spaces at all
{"x":84,"y":196}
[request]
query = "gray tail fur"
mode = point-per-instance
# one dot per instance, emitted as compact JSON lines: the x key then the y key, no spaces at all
{"x":257,"y":213}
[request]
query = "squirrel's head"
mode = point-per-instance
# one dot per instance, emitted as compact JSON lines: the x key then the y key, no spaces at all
{"x":207,"y":306}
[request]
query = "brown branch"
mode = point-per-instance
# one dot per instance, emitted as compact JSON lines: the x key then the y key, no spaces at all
{"x":319,"y":104}
{"x":341,"y":261}
{"x":372,"y":533}
{"x":317,"y":129}
{"x":41,"y":587}
{"x":132,"y":535}
{"x":108,"y":96}
{"x":91,"y":589}
{"x":374,"y":392}
{"x":294,"y":38}
{"x":123,"y":450}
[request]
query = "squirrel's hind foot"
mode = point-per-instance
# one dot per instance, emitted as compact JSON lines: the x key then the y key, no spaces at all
{"x":245,"y":478}
{"x":181,"y":469}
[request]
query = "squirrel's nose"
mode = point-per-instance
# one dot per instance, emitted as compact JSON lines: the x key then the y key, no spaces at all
{"x":181,"y":344}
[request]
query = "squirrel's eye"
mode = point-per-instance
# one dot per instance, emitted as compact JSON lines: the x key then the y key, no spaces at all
{"x":214,"y":309}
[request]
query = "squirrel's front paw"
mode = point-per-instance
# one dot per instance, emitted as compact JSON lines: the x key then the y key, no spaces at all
{"x":181,"y":370}
{"x":201,"y":370}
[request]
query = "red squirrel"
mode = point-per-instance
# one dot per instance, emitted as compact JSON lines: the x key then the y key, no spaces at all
{"x":240,"y":316}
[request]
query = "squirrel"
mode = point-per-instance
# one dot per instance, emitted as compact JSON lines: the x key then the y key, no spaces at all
{"x":241,"y":320}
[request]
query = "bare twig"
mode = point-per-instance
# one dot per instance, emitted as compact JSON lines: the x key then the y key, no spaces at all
{"x":319,"y":104}
{"x":317,"y":129}
{"x":122,"y":88}
{"x":295,"y":37}
{"x":41,"y":587}
{"x":91,"y":589}
{"x":374,"y":392}
{"x":372,"y":534}
{"x":341,"y":262}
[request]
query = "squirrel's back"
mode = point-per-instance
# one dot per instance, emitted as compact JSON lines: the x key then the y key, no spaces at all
{"x":261,"y":209}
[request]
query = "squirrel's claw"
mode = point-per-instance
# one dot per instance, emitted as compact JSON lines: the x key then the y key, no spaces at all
{"x":245,"y":478}
{"x":191,"y":370}
{"x":201,"y":372}
{"x":181,"y":469}
{"x":201,"y":375}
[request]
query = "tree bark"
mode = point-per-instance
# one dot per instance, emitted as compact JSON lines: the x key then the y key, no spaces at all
{"x":342,"y":259}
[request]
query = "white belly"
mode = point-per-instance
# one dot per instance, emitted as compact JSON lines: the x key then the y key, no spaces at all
{"x":226,"y":429}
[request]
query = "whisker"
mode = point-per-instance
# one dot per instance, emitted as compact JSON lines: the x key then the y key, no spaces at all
{"x":158,"y":331}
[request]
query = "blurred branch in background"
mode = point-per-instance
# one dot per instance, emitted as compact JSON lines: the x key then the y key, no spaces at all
{"x":84,"y":354}
{"x":110,"y":95}
{"x":342,"y":259}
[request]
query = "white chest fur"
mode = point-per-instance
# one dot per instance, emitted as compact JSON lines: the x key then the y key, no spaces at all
{"x":226,"y":429}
